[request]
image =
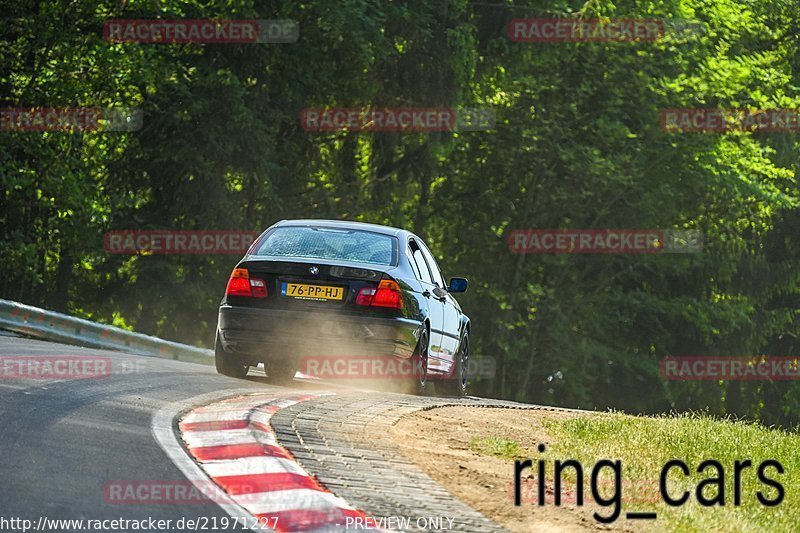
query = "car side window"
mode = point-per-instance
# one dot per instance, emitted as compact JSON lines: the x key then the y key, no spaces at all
{"x":419,"y":260}
{"x":413,"y":263}
{"x":437,"y":274}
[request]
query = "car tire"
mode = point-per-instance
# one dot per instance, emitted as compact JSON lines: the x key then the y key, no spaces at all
{"x":279,"y":372}
{"x":457,"y":384}
{"x":227,"y":363}
{"x":419,"y":365}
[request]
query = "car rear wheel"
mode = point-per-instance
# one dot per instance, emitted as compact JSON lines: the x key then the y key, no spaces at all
{"x":279,"y":371}
{"x":456,"y":385}
{"x":227,"y":363}
{"x":419,"y":364}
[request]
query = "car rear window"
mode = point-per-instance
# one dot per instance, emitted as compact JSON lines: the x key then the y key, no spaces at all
{"x":330,"y":243}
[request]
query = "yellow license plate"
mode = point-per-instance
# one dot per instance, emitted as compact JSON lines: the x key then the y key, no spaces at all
{"x":312,"y":292}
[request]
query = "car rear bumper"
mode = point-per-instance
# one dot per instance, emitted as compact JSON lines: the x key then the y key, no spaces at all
{"x":263,"y":334}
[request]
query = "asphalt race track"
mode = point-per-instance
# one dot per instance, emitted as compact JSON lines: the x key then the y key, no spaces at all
{"x":63,"y":441}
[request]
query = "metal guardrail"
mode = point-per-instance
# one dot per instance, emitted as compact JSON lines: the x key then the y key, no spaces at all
{"x":52,"y":326}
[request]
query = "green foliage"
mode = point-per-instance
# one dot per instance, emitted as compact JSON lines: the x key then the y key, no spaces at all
{"x":577,"y":144}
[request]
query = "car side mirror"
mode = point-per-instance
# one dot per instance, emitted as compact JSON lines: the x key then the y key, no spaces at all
{"x":458,"y":285}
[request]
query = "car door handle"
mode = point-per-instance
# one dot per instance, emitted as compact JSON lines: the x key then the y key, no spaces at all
{"x":427,"y":294}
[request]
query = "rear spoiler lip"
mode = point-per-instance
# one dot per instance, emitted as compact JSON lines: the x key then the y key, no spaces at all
{"x":256,"y":259}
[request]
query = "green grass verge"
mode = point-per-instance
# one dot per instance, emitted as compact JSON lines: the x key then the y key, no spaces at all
{"x":645,"y":444}
{"x":498,"y":447}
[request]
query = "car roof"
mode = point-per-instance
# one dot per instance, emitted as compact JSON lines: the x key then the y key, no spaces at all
{"x":344,"y":224}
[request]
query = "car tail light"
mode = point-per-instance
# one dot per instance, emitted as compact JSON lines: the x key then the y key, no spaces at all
{"x":258,"y":288}
{"x":387,"y":294}
{"x":241,"y":284}
{"x":365,"y":296}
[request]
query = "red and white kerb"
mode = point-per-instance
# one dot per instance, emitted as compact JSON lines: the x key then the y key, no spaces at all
{"x":234,"y":443}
